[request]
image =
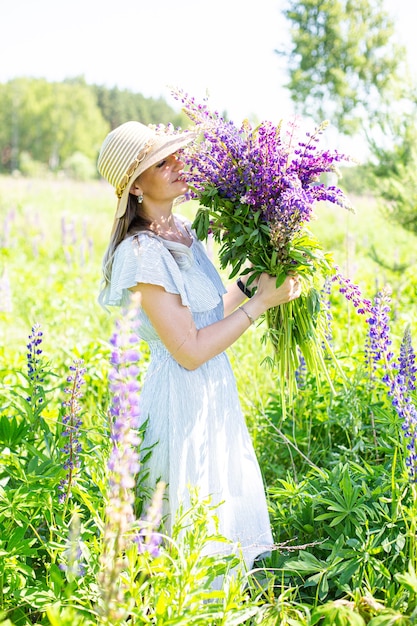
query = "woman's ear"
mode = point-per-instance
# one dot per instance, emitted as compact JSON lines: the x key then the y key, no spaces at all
{"x":135,"y":189}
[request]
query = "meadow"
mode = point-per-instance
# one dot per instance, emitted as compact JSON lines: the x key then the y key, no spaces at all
{"x":341,"y":492}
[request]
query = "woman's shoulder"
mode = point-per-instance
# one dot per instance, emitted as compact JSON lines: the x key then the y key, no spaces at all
{"x":141,"y":239}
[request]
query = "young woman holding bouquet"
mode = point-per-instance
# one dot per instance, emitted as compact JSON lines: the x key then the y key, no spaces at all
{"x":189,"y":319}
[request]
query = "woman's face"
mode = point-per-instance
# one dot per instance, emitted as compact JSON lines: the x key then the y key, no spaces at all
{"x":162,"y":181}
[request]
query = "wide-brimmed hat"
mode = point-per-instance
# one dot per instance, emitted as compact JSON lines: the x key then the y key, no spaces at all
{"x":132,"y":148}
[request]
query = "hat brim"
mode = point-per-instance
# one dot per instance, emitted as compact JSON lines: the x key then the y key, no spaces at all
{"x":161,"y":148}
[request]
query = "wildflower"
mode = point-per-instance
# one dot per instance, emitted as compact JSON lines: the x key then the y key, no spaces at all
{"x":379,"y":331}
{"x":125,"y":387}
{"x":5,"y":238}
{"x":68,"y":232}
{"x":6,"y":305}
{"x":148,"y":539}
{"x":35,"y":367}
{"x":403,"y":400}
{"x":301,"y":371}
{"x":352,"y":293}
{"x":406,"y":362}
{"x":398,"y":377}
{"x":72,"y":559}
{"x":123,"y":463}
{"x":325,"y":298}
{"x":257,"y":188}
{"x":72,"y":424}
{"x":34,"y":351}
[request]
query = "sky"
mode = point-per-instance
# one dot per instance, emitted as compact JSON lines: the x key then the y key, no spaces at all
{"x":221,"y":48}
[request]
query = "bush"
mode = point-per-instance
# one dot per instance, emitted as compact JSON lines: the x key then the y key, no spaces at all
{"x":80,"y":167}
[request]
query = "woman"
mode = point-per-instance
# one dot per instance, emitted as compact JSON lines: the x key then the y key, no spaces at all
{"x":188,"y":318}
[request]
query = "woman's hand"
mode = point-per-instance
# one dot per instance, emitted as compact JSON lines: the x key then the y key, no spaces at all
{"x":270,"y":295}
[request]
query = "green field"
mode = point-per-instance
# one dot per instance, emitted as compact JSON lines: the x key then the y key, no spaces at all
{"x":343,"y":507}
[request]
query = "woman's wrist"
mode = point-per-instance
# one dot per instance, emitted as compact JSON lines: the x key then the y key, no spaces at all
{"x":254,"y":308}
{"x":248,"y":315}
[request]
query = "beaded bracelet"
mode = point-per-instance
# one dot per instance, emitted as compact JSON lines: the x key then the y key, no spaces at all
{"x":243,"y":288}
{"x":248,"y":315}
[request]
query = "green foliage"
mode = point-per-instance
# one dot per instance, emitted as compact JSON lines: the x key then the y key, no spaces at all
{"x":342,"y":61}
{"x":60,"y":126}
{"x":342,"y":508}
{"x":49,"y":121}
{"x":121,"y":105}
{"x":79,"y":167}
{"x":392,"y":170}
{"x":356,"y":180}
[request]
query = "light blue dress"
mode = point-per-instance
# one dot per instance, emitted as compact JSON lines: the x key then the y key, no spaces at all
{"x":195,"y":417}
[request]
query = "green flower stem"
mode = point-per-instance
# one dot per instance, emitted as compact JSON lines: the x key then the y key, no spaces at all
{"x":292,"y":328}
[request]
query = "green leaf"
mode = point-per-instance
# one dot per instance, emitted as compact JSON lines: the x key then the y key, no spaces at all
{"x":16,"y":538}
{"x":408,"y":579}
{"x":307,"y":563}
{"x":11,"y":431}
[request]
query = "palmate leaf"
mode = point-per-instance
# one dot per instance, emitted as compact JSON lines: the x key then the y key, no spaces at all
{"x":337,"y":613}
{"x":408,"y":579}
{"x":390,"y":617}
{"x":12,"y":431}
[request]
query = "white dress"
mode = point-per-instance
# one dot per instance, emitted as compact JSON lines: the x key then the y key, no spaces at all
{"x":195,"y":417}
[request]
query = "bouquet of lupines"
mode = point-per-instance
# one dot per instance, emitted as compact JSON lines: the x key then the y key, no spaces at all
{"x":257,"y":188}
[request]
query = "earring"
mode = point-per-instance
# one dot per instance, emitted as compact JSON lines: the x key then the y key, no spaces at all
{"x":140,"y":198}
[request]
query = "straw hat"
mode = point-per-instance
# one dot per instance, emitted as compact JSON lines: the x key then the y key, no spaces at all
{"x":132,"y":148}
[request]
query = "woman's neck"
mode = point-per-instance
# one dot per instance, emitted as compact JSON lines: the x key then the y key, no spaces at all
{"x":164,"y":224}
{"x":171,"y":230}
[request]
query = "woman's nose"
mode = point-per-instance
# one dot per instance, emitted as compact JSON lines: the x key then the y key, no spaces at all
{"x":178,"y":164}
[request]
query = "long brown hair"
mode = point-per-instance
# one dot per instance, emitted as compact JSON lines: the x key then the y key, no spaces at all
{"x":130,"y":223}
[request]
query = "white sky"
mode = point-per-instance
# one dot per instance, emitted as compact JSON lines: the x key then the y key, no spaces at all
{"x":223,"y":47}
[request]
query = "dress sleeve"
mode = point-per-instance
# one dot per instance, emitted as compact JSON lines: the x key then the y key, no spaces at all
{"x":143,"y":259}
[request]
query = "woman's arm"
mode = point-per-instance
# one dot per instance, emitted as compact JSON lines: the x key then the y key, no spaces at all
{"x":232,"y":299}
{"x":191,"y":347}
{"x":235,"y":296}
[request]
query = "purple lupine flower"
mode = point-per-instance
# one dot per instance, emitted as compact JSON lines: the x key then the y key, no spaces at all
{"x":264,"y":168}
{"x":379,"y":331}
{"x":72,"y":562}
{"x":6,"y":305}
{"x":398,"y":377}
{"x":34,"y":350}
{"x":352,"y":293}
{"x":403,"y":400}
{"x":257,"y":188}
{"x":72,"y":424}
{"x":148,"y":539}
{"x":406,"y":410}
{"x":9,"y":218}
{"x":68,"y":232}
{"x":325,"y":299}
{"x":34,"y":365}
{"x":124,"y":386}
{"x":407,"y":361}
{"x":301,"y":371}
{"x":123,"y":463}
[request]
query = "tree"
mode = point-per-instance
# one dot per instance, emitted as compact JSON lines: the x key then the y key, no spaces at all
{"x":62,"y":122}
{"x":342,"y":63}
{"x":48,"y":121}
{"x":121,"y":105}
{"x":393,"y":168}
